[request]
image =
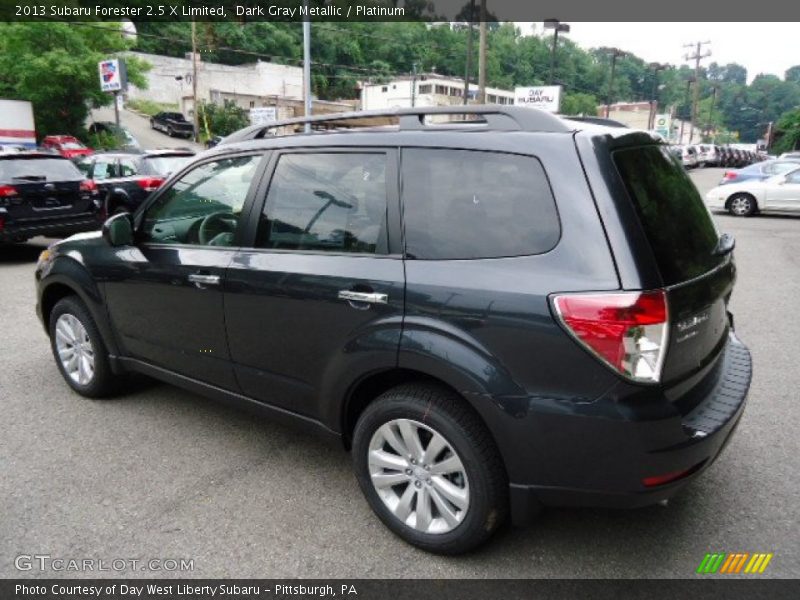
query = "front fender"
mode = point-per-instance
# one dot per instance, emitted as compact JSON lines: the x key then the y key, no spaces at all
{"x":67,"y":271}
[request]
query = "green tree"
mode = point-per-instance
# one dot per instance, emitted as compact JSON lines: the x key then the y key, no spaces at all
{"x":222,"y":119}
{"x":54,"y":66}
{"x":787,"y":132}
{"x":579,"y":104}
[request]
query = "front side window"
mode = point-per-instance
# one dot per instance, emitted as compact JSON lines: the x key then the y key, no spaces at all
{"x":332,"y":202}
{"x":463,"y":204}
{"x":127,"y":167}
{"x":104,"y":168}
{"x":204,"y":206}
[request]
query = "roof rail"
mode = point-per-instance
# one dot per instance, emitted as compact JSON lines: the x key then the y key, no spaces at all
{"x":496,"y":117}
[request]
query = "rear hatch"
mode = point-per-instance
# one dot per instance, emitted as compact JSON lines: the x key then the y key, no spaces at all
{"x":42,"y":187}
{"x":695,"y":264}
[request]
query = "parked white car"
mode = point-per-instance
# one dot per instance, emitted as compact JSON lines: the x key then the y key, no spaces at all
{"x":780,"y":193}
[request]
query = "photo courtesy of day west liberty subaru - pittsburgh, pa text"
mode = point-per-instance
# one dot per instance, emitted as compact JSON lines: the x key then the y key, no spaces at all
{"x":220,"y":11}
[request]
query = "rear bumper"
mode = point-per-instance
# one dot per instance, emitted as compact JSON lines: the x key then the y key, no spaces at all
{"x":50,"y":227}
{"x":638,"y":449}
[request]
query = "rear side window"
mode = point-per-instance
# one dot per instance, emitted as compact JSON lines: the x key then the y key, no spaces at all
{"x":333,"y":202}
{"x":44,"y":169}
{"x":675,"y":220}
{"x":464,"y":204}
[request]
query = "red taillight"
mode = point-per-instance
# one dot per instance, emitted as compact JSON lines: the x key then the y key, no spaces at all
{"x":665,"y":478}
{"x":626,"y":330}
{"x":2,"y":223}
{"x":729,"y":175}
{"x":150,"y":184}
{"x":88,"y":185}
{"x":6,"y":191}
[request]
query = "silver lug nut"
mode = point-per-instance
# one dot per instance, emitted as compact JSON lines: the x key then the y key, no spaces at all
{"x":408,"y":471}
{"x":418,"y":484}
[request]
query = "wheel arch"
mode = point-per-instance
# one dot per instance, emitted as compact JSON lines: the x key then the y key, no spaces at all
{"x":69,"y":278}
{"x":365,"y":391}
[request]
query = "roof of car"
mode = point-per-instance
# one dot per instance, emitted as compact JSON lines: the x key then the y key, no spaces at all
{"x":30,"y":154}
{"x":457,"y":119}
{"x":148,"y":153}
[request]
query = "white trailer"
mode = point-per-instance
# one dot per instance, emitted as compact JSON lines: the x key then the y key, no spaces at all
{"x":16,"y":123}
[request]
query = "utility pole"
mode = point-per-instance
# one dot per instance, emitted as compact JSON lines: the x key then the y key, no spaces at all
{"x":686,"y":101}
{"x":557,"y":26}
{"x":654,"y":95}
{"x":414,"y":86}
{"x":615,"y":54}
{"x":196,"y":109}
{"x":709,"y":124}
{"x":307,"y":69}
{"x":468,"y":66}
{"x":696,"y":57}
{"x":482,"y":56}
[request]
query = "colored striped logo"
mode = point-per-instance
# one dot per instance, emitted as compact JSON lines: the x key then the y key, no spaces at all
{"x":742,"y":562}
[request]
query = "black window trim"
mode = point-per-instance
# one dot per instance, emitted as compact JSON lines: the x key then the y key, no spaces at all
{"x":473,"y":149}
{"x":244,"y":220}
{"x":395,"y":243}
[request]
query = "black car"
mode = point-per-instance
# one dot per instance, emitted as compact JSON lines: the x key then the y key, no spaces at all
{"x":123,"y":138}
{"x":126,"y":179}
{"x":173,"y":124}
{"x":44,"y":194}
{"x":495,"y":314}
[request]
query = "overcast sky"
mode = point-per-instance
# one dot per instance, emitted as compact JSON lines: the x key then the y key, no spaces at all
{"x":760,"y":47}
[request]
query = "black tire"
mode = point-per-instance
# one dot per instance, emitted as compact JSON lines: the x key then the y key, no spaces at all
{"x":451,"y":417}
{"x":170,"y":132}
{"x":742,"y":205}
{"x":103,"y":383}
{"x":152,"y":124}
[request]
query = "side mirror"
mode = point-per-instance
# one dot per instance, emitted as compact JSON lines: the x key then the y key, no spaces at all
{"x":118,"y":230}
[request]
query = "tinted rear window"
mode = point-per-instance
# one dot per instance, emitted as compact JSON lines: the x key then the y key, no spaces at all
{"x":461,"y":204}
{"x":52,"y":169}
{"x":675,"y":219}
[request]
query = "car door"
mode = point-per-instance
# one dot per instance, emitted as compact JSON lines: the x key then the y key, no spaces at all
{"x":318,"y":295}
{"x":783,"y":193}
{"x":103,"y":171}
{"x":165,"y":298}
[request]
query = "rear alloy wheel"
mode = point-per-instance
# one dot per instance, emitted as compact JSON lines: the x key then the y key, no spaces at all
{"x":79,"y":350}
{"x":742,"y":205}
{"x":430,"y":469}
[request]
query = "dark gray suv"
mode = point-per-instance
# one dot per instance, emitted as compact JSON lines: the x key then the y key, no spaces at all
{"x":495,"y":309}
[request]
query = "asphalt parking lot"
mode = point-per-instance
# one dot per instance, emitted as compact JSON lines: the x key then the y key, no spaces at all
{"x":161,"y":473}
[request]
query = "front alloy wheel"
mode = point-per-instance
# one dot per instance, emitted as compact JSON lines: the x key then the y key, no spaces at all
{"x":742,"y":205}
{"x":418,"y":476}
{"x":79,"y":350}
{"x":74,"y":349}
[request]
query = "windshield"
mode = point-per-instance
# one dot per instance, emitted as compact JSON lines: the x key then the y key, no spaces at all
{"x":675,"y":219}
{"x":41,"y":169}
{"x":72,"y":146}
{"x":166,"y":165}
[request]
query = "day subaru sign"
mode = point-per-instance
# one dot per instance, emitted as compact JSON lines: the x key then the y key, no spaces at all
{"x":545,"y":97}
{"x":111,"y":76}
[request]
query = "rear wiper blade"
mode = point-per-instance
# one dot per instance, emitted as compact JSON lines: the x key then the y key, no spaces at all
{"x":725,"y":245}
{"x":30,"y":177}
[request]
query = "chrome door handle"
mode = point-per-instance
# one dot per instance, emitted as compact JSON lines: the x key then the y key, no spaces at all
{"x":201,"y":280}
{"x":370,"y":298}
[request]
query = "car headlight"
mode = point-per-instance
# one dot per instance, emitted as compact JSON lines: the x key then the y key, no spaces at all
{"x":45,"y":257}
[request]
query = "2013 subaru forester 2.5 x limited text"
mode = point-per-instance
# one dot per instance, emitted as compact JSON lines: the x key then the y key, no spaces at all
{"x":494,"y":314}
